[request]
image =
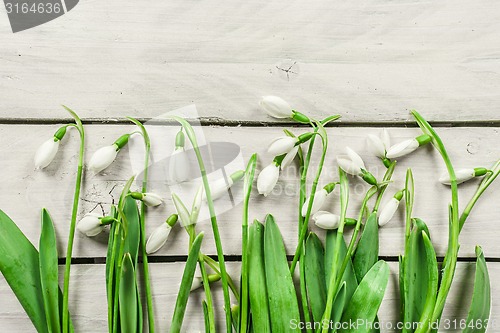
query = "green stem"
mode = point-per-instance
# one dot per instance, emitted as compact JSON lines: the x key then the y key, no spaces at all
{"x":386,"y":179}
{"x":74,"y":214}
{"x":244,"y":301}
{"x":344,"y":199}
{"x":305,"y":224}
{"x":208,"y":294}
{"x":215,"y":266}
{"x":213,"y":218}
{"x":142,"y":222}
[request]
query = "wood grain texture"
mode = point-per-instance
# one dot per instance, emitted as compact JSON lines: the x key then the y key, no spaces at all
{"x":369,"y":61}
{"x":25,"y":190}
{"x":88,"y":299}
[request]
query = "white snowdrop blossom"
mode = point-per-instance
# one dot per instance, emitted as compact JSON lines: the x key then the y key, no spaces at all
{"x":326,"y":220}
{"x":160,"y":235}
{"x":407,"y":146}
{"x":46,"y":153}
{"x":463,"y":175}
{"x":276,"y":107}
{"x":268,"y":178}
{"x":390,"y":208}
{"x":379,"y":144}
{"x":92,"y":225}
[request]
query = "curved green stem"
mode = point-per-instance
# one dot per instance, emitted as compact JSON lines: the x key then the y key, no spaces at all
{"x":208,"y":295}
{"x":74,"y":214}
{"x":142,"y":221}
{"x":386,"y":179}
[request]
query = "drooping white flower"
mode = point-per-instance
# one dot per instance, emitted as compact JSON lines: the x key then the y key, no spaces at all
{"x":182,"y":211}
{"x":276,"y":107}
{"x":160,"y":235}
{"x":103,"y":158}
{"x":407,"y":146}
{"x":178,"y":167}
{"x":352,"y":163}
{"x":379,"y":144}
{"x":90,"y":225}
{"x":389,"y":209}
{"x":46,"y":153}
{"x":463,"y":175}
{"x":289,"y":157}
{"x":319,"y":199}
{"x":268,"y":178}
{"x":282,"y":145}
{"x":220,"y":186}
{"x":152,"y":199}
{"x":326,"y":220}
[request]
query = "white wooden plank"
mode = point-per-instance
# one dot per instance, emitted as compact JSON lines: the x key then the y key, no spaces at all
{"x":88,"y":299}
{"x":371,"y":61}
{"x":25,"y":190}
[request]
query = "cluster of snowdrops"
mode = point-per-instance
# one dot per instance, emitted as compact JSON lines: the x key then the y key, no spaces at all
{"x":339,"y":281}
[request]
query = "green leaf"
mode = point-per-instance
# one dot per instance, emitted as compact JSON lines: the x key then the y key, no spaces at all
{"x":479,"y":311}
{"x":49,"y":274}
{"x":132,"y":242}
{"x":186,"y":283}
{"x":259,"y":304}
{"x":349,"y":276}
{"x":19,"y":264}
{"x":339,"y":304}
{"x":367,"y":298}
{"x":315,"y":276}
{"x":280,"y":288}
{"x":128,"y":297}
{"x":367,"y":250}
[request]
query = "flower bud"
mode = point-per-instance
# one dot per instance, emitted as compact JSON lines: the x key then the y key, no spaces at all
{"x":319,"y":200}
{"x":282,"y":145}
{"x":46,"y":153}
{"x":198,"y":281}
{"x":178,"y":167}
{"x":463,"y":175}
{"x":149,"y":199}
{"x":390,"y":209}
{"x":103,"y":158}
{"x":182,"y":211}
{"x":268,"y":178}
{"x":326,"y":220}
{"x":276,"y":107}
{"x":220,"y":187}
{"x":158,"y":238}
{"x":408,"y":146}
{"x":90,"y":225}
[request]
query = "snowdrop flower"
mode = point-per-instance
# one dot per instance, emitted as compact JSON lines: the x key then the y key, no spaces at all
{"x":408,"y":146}
{"x":220,"y":187}
{"x":463,"y":175}
{"x":326,"y":220}
{"x":92,"y":225}
{"x":149,"y":199}
{"x":390,"y":209}
{"x":319,"y":199}
{"x":379,"y":144}
{"x":179,"y":163}
{"x":268,"y":178}
{"x":48,"y":150}
{"x":278,"y":108}
{"x":288,"y":145}
{"x":160,"y":235}
{"x":289,"y":157}
{"x":198,"y":281}
{"x":104,"y":156}
{"x":353,"y":164}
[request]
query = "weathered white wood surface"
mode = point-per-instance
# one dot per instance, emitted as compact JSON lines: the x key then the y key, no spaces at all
{"x":370,"y":61}
{"x":88,"y":299}
{"x":25,"y":190}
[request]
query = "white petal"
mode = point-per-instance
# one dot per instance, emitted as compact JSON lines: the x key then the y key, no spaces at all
{"x":319,"y":200}
{"x":152,"y":199}
{"x":197,"y":283}
{"x":219,"y":187}
{"x":402,"y":148}
{"x":276,"y":107}
{"x":282,"y":145}
{"x":348,"y":166}
{"x":267,"y":179}
{"x":46,"y":153}
{"x":182,"y":211}
{"x":376,"y":145}
{"x":388,"y":211}
{"x":102,"y":158}
{"x":326,"y":220}
{"x":462,"y":175}
{"x":90,"y":225}
{"x":355,"y":158}
{"x":158,"y":238}
{"x":386,"y":138}
{"x":289,"y":157}
{"x":178,"y":167}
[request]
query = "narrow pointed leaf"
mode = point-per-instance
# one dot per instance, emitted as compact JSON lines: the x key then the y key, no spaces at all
{"x":315,"y":276}
{"x":283,"y":303}
{"x":366,"y":300}
{"x":49,"y":272}
{"x":480,"y":307}
{"x":128,"y":296}
{"x":259,"y":301}
{"x":367,"y":250}
{"x":19,"y":264}
{"x":186,"y":283}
